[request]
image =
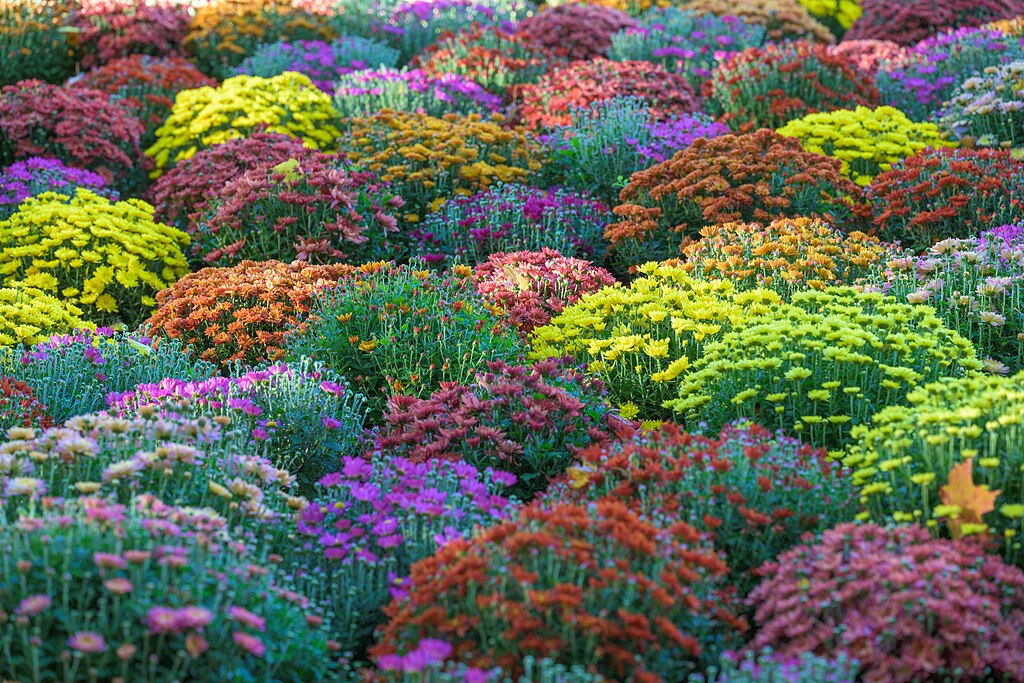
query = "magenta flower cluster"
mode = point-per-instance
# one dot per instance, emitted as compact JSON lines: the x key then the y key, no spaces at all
{"x":36,"y":175}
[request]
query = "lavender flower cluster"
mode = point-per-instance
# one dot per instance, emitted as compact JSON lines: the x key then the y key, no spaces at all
{"x":36,"y":175}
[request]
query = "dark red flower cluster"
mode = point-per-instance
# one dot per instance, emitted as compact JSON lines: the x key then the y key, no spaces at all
{"x":596,"y":586}
{"x":19,"y":407}
{"x":908,"y":22}
{"x":109,"y":29}
{"x":187,"y":187}
{"x":79,"y":126}
{"x":907,"y":606}
{"x":550,"y":100}
{"x":527,"y":420}
{"x":576,"y":30}
{"x":942,"y":193}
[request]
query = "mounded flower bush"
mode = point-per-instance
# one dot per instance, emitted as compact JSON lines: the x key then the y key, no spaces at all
{"x":869,"y":55}
{"x":905,"y":605}
{"x":33,"y":44}
{"x":36,"y":175}
{"x":784,"y":19}
{"x":838,"y":15}
{"x":987,"y":108}
{"x":577,"y":30}
{"x":323,"y":62}
{"x":29,"y":315}
{"x":108,"y":30}
{"x":412,"y":91}
{"x":821,"y":365}
{"x":107,"y":258}
{"x":760,"y":176}
{"x":908,"y":22}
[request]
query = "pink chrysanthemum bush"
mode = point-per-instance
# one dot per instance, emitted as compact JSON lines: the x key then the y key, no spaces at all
{"x":907,"y":606}
{"x":147,"y":592}
{"x":106,"y":30}
{"x":533,"y":286}
{"x":577,"y":30}
{"x":908,"y":22}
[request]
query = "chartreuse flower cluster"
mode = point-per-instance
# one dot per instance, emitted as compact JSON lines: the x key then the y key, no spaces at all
{"x":288,"y":103}
{"x":428,"y":159}
{"x":821,"y":365}
{"x":867,"y":141}
{"x":906,"y":457}
{"x":641,"y":339}
{"x":838,"y":15}
{"x":29,"y":316}
{"x":107,"y":258}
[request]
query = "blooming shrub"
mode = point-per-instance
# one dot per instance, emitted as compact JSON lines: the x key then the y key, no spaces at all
{"x":532,"y":286}
{"x":753,"y":492}
{"x":426,"y":662}
{"x":397,"y":329}
{"x":908,"y":22}
{"x":72,"y":374}
{"x":149,"y":592}
{"x":145,"y":86}
{"x":942,"y":193}
{"x":838,"y":15}
{"x":324,"y":63}
{"x":908,"y":461}
{"x":767,"y":87}
{"x":510,"y":218}
{"x":185,"y":190}
{"x":28,"y":316}
{"x":904,"y":605}
{"x":108,"y":258}
{"x":986,"y":109}
{"x":866,"y":141}
{"x":19,"y":406}
{"x":592,"y":563}
{"x":373,"y":519}
{"x":310,"y":211}
{"x":414,"y":25}
{"x":786,"y":255}
{"x":639,"y":340}
{"x":80,"y":127}
{"x":108,"y":30}
{"x":577,"y":30}
{"x":223,"y":33}
{"x":820,"y":365}
{"x":305,"y":415}
{"x":495,"y":59}
{"x":242,"y":313}
{"x":925,"y":77}
{"x":36,"y":175}
{"x":203,"y":117}
{"x":428,"y":160}
{"x":366,"y":93}
{"x":870,"y":56}
{"x":530,"y":421}
{"x":685,"y":41}
{"x":760,"y":176}
{"x":974,"y":284}
{"x":784,"y":19}
{"x":33,"y":44}
{"x":549,"y":102}
{"x":768,"y":667}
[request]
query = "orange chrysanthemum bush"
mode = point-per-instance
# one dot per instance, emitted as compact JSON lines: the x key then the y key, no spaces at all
{"x":550,"y":101}
{"x":785,"y":255}
{"x":766,"y":87}
{"x":760,"y":176}
{"x":240,"y":313}
{"x":595,"y":586}
{"x":784,"y":19}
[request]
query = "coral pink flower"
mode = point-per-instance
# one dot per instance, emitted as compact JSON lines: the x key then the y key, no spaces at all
{"x":33,"y":605}
{"x":88,"y":642}
{"x":249,"y":643}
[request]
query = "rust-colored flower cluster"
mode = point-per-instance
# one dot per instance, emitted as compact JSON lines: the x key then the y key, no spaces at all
{"x":19,"y":406}
{"x":240,"y":313}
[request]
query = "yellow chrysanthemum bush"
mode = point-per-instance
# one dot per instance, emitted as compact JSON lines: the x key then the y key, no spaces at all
{"x":641,"y":339}
{"x":108,"y":259}
{"x":786,"y":255}
{"x":838,"y":15}
{"x":202,"y":117}
{"x":29,"y":316}
{"x":428,"y":159}
{"x":867,"y":141}
{"x":820,"y":365}
{"x":951,"y":459}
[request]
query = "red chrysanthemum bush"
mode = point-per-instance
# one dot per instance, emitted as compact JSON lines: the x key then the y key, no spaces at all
{"x":533,"y":286}
{"x":241,"y":313}
{"x":110,"y":29}
{"x":907,"y":606}
{"x":19,"y":407}
{"x":868,"y":55}
{"x":146,"y":86}
{"x":79,"y":126}
{"x":942,"y":193}
{"x":594,"y":586}
{"x":527,"y":420}
{"x":577,"y":30}
{"x":766,"y":87}
{"x":549,"y":101}
{"x":187,"y":188}
{"x":756,"y":177}
{"x":908,"y":22}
